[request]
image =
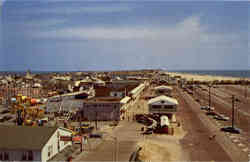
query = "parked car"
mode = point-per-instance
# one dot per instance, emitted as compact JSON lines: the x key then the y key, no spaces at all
{"x":212,"y":113}
{"x":221,"y":117}
{"x":204,"y":107}
{"x":207,"y":108}
{"x":148,"y":132}
{"x":5,"y":111}
{"x":8,"y":117}
{"x":96,"y":135}
{"x":231,"y":130}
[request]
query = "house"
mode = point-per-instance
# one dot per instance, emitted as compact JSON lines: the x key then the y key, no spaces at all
{"x":163,"y":105}
{"x":105,"y":91}
{"x":163,"y":90}
{"x":18,"y":143}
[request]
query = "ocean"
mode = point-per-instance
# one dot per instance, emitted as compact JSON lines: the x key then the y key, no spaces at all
{"x":228,"y":73}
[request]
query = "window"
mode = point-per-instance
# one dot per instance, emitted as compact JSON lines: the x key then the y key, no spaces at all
{"x":168,"y":107}
{"x":6,"y":156}
{"x":1,"y":156}
{"x":156,"y":106}
{"x":30,"y":155}
{"x":24,"y":156}
{"x":50,"y":150}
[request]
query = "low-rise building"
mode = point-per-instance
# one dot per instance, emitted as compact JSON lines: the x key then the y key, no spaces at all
{"x":101,"y":108}
{"x":25,"y":143}
{"x":104,"y":108}
{"x":163,"y":105}
{"x":163,"y":90}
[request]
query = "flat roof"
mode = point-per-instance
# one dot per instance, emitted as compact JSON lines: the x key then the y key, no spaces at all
{"x":125,"y":99}
{"x":103,"y":100}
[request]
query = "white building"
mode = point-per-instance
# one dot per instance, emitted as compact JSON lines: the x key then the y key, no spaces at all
{"x":163,"y":105}
{"x":18,"y":143}
{"x":163,"y":90}
{"x":136,"y":92}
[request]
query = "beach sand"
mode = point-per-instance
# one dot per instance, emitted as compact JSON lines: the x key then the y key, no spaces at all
{"x":197,"y":77}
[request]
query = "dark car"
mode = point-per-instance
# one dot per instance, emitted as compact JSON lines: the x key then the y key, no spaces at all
{"x":95,"y":135}
{"x":148,"y":132}
{"x":6,"y":118}
{"x":5,"y":111}
{"x":211,"y":113}
{"x":231,"y":130}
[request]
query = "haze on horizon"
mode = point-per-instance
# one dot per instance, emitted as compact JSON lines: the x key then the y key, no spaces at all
{"x":88,"y":35}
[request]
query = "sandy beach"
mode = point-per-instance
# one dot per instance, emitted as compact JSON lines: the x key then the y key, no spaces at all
{"x":197,"y":77}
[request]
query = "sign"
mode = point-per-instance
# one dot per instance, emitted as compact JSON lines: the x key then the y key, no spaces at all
{"x":77,"y":139}
{"x":65,"y":138}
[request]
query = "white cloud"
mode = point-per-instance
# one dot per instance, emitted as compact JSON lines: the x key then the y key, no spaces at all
{"x":187,"y":44}
{"x":189,"y":32}
{"x":75,"y":10}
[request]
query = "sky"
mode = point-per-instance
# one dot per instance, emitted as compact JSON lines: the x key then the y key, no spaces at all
{"x":61,"y":35}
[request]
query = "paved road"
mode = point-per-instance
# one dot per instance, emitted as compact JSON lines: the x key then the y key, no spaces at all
{"x":219,"y":149}
{"x":127,"y":134}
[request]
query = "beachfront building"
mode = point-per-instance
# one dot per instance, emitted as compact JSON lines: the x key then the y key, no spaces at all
{"x":163,"y":105}
{"x":25,"y":143}
{"x":163,"y":90}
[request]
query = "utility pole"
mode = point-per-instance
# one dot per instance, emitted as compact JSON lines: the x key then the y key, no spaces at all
{"x":233,"y":99}
{"x":245,"y":89}
{"x":96,"y":120}
{"x":209,"y":102}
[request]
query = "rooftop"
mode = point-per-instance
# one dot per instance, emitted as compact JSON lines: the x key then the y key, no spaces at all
{"x":24,"y":137}
{"x":169,"y":100}
{"x":103,"y":100}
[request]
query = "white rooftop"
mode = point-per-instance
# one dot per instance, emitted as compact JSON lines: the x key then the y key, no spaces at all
{"x":164,"y":87}
{"x":168,"y":100}
{"x":125,"y":99}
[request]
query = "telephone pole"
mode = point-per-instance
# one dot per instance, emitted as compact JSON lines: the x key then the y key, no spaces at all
{"x":246,"y":89}
{"x":233,"y":99}
{"x":209,"y":102}
{"x":96,"y":120}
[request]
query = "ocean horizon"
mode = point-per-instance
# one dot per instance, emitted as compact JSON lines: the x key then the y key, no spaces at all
{"x":227,"y":73}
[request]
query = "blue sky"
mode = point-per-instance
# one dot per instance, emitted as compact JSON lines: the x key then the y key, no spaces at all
{"x":77,"y":35}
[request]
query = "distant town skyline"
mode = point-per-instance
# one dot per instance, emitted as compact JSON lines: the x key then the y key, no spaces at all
{"x":83,"y":35}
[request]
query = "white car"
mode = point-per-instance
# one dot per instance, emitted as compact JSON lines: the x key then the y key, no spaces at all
{"x":221,"y":117}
